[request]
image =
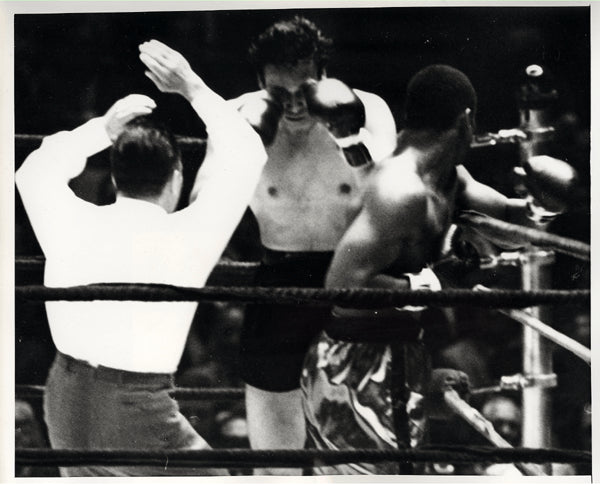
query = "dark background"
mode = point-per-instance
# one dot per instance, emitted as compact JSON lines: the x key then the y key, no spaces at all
{"x":70,"y":67}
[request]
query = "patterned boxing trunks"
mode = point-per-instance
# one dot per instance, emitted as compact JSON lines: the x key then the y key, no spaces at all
{"x":360,"y":395}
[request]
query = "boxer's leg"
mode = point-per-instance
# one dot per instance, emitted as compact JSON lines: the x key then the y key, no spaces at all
{"x":275,"y":421}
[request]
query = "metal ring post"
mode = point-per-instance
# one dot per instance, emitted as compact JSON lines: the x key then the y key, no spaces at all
{"x":537,"y":356}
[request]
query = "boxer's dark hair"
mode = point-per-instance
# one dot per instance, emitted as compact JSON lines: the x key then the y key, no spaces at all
{"x":288,"y":41}
{"x":144,"y":157}
{"x":436,"y":95}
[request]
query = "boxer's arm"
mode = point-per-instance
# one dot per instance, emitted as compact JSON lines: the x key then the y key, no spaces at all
{"x":474,"y":195}
{"x":374,"y":241}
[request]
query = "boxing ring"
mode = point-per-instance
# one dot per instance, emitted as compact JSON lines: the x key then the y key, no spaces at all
{"x":526,"y":306}
{"x":512,"y":302}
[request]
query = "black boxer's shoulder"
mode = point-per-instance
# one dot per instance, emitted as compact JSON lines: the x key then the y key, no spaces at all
{"x":396,"y":182}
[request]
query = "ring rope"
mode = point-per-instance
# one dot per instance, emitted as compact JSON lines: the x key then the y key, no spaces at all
{"x":34,"y":391}
{"x":35,"y":261}
{"x":551,"y":334}
{"x":227,"y":458}
{"x":28,"y":391}
{"x":485,"y":428}
{"x":355,"y":297}
{"x":546,"y":331}
{"x":223,"y":273}
{"x":183,"y":141}
{"x":536,"y":237}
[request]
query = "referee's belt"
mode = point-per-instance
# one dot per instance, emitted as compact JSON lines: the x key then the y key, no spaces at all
{"x":109,"y":374}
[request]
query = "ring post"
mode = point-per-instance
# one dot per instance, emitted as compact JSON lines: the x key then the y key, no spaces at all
{"x":537,"y":354}
{"x":536,"y":97}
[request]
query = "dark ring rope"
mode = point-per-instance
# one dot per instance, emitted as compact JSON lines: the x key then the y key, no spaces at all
{"x":26,"y":391}
{"x":31,"y":391}
{"x":231,"y":458}
{"x":536,"y":237}
{"x":34,"y":261}
{"x":567,"y":246}
{"x":184,"y":142}
{"x":354,"y":298}
{"x":224,"y":273}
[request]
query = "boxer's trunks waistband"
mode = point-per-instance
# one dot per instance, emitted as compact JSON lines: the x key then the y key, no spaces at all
{"x":403,"y":327}
{"x":272,"y":257}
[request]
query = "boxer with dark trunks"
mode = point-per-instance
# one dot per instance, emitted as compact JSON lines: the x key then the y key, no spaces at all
{"x":307,"y":196}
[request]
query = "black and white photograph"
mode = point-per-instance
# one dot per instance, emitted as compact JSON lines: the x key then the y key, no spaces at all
{"x":297,"y":239}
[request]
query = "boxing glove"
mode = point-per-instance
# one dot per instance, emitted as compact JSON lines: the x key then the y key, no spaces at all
{"x":550,"y":183}
{"x":457,"y":243}
{"x":443,"y":380}
{"x":263,"y":113}
{"x":336,"y":106}
{"x":463,"y":251}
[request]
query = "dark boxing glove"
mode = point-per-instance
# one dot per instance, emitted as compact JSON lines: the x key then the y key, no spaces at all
{"x":550,"y":183}
{"x":336,"y":105}
{"x":443,"y":380}
{"x":459,"y":257}
{"x":458,"y":243}
{"x":263,"y":113}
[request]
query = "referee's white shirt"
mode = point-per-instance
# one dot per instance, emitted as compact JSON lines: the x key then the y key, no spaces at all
{"x":133,"y":241}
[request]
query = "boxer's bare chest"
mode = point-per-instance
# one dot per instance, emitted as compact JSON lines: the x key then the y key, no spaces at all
{"x":307,"y":195}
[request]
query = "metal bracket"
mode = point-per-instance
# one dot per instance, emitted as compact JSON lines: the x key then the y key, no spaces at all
{"x":518,"y":382}
{"x":518,"y":258}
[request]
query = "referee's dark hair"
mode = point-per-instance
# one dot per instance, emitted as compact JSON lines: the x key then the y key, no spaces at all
{"x":144,"y":157}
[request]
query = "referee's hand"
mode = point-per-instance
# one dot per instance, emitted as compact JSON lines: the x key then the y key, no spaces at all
{"x":124,"y":110}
